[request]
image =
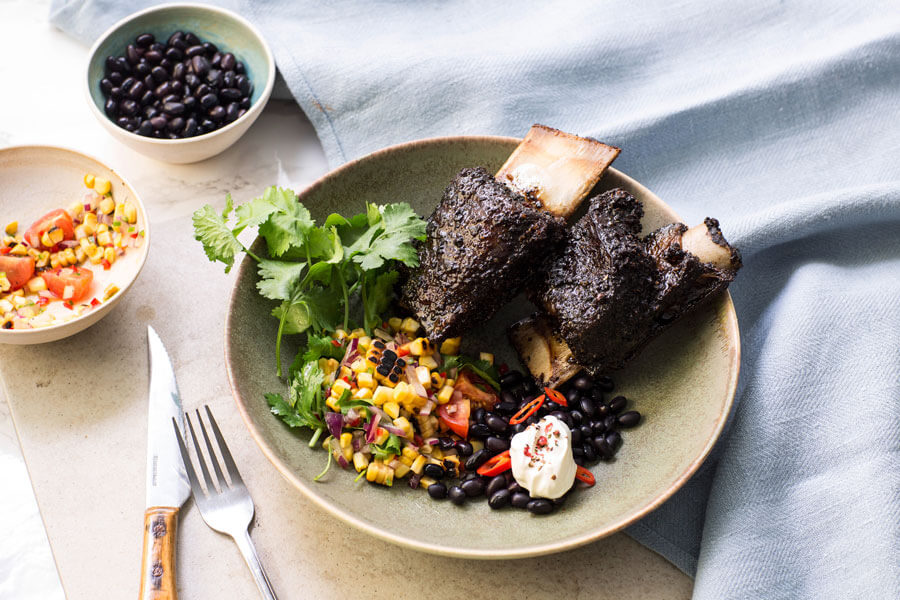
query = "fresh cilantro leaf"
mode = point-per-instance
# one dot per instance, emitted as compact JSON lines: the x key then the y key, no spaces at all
{"x":482,"y":368}
{"x":400,"y":224}
{"x":306,"y":404}
{"x":378,"y":295}
{"x":288,"y":224}
{"x":280,"y":407}
{"x":279,"y":279}
{"x":320,"y":346}
{"x":390,"y":446}
{"x":254,"y":213}
{"x":211,"y":230}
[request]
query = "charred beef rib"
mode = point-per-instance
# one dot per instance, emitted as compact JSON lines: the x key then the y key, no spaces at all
{"x":489,"y":234}
{"x":608,"y":291}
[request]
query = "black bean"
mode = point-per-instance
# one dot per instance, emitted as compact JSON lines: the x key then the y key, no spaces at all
{"x":127,"y":83}
{"x":590,"y":453}
{"x":193,"y":51}
{"x":576,"y":415}
{"x":136,"y":90}
{"x":122,"y":122}
{"x":464,"y":448}
{"x":200,"y":66}
{"x":602,"y":448}
{"x":177,"y":88}
{"x":228,"y":79}
{"x":176,"y":125}
{"x":145,"y":128}
{"x":434,"y":471}
{"x":243,"y":84}
{"x":572,"y":396}
{"x":228,"y":61}
{"x":214,"y":77}
{"x":617,"y":404}
{"x":517,"y":428}
{"x":478,"y":415}
{"x":176,"y":40}
{"x":163,"y":89}
{"x":438,"y":490}
{"x":124,"y":65}
{"x":510,"y":378}
{"x":629,"y":419}
{"x":540,"y":506}
{"x":583,"y":382}
{"x":129,"y":107}
{"x":239,"y":67}
{"x":159,"y":74}
{"x":174,"y":54}
{"x":549,"y":406}
{"x":496,"y":483}
{"x":149,"y":81}
{"x":520,"y":499}
{"x":587,"y":407}
{"x":609,"y":422}
{"x":476,"y":460}
{"x":531,"y":387}
{"x":191,"y":80}
{"x":495,"y":444}
{"x":562,"y":416}
{"x":613,"y":440}
{"x":167,"y":64}
{"x":106,"y":85}
{"x":210,"y":48}
{"x":173,"y":108}
{"x":557,"y":502}
{"x":231,"y":112}
{"x":473,"y":487}
{"x":150,"y":112}
{"x":597,"y":394}
{"x":144,"y":40}
{"x":605,"y":383}
{"x":576,"y":435}
{"x":178,"y":71}
{"x":496,"y":423}
{"x":191,"y":38}
{"x":173,"y":97}
{"x":457,"y":495}
{"x":207,"y":125}
{"x":148,"y":98}
{"x":586,"y":431}
{"x":506,"y":408}
{"x":115,"y":93}
{"x":446,"y":443}
{"x":116,"y":78}
{"x":499,"y":499}
{"x":203,"y":89}
{"x":153,"y":57}
{"x":602,"y":409}
{"x":111,"y":65}
{"x":159,"y":122}
{"x":514,"y":486}
{"x":132,"y":54}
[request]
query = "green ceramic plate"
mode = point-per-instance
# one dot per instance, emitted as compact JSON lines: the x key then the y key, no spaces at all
{"x":683,"y":383}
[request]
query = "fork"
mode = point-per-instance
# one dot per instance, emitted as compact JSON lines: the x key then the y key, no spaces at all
{"x":225,"y":508}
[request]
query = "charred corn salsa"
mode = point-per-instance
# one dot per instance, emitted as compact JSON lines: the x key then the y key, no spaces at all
{"x":45,"y":267}
{"x":389,"y":398}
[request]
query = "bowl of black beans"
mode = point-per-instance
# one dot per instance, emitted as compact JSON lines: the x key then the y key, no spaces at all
{"x":180,"y":82}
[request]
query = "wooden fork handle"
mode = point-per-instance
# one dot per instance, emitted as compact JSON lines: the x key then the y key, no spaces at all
{"x":158,"y":560}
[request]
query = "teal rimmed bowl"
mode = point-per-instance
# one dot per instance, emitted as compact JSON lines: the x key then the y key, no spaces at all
{"x":227,"y":30}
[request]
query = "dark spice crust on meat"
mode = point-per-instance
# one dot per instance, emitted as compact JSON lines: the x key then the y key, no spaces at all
{"x":609,"y":292}
{"x":600,"y":286}
{"x":484,"y":244}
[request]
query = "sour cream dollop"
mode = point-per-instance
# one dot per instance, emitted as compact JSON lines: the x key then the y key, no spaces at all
{"x":542,"y":460}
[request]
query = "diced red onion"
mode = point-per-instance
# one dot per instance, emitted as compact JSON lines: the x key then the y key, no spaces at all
{"x":335,"y":422}
{"x":342,"y":461}
{"x":413,"y":381}
{"x":68,"y":243}
{"x":351,"y":354}
{"x":373,"y":428}
{"x":414,"y":480}
{"x":401,"y":339}
{"x":426,"y":410}
{"x":351,"y":418}
{"x":432,"y":441}
{"x":394,"y":430}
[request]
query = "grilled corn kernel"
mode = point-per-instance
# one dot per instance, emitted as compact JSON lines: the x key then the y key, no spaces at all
{"x":404,"y":424}
{"x":130,"y":213}
{"x":102,"y":186}
{"x":364,"y":342}
{"x":436,"y":455}
{"x":107,"y":206}
{"x":365,"y":380}
{"x":359,"y":365}
{"x":409,"y":326}
{"x":119,"y":212}
{"x":76,"y":209}
{"x":394,"y":324}
{"x":372,"y":472}
{"x":382,"y":435}
{"x":90,"y":223}
{"x":415,"y":347}
{"x":487,"y":357}
{"x":345,"y":372}
{"x":54,"y":261}
{"x":81,"y":235}
{"x":339,"y":387}
{"x":331,"y":402}
{"x":42,"y":260}
{"x":401,"y":470}
{"x":80,"y":255}
{"x":445,"y":394}
{"x":339,"y":334}
{"x":451,"y":346}
{"x":362,"y":393}
{"x":109,"y":255}
{"x":104,"y":238}
{"x":381,"y":395}
{"x":346,"y":439}
{"x":360,"y":461}
{"x":402,"y":393}
{"x":409,"y":453}
{"x":436,"y":380}
{"x":89,"y":181}
{"x":70,"y":256}
{"x":11,"y":228}
{"x":357,"y":333}
{"x":424,"y":376}
{"x":19,"y":250}
{"x":426,"y":482}
{"x":418,"y":465}
{"x":428,"y":362}
{"x":34,"y":253}
{"x":392,"y":409}
{"x":95,"y":254}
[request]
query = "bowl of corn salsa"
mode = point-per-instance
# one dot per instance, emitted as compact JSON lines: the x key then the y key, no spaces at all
{"x":73,"y":238}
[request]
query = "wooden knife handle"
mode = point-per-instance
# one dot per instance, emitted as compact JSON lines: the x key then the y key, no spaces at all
{"x":158,"y":560}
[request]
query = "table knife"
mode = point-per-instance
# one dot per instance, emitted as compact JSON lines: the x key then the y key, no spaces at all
{"x":167,"y":482}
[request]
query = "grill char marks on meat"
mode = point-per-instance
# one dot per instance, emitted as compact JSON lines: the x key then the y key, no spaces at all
{"x":483,"y":241}
{"x":599,"y":288}
{"x":609,"y":292}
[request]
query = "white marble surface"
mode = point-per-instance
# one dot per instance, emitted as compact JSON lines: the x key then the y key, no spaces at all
{"x":42,"y":101}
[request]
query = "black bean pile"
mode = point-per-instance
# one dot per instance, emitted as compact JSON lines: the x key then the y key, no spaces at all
{"x":594,"y":420}
{"x":180,"y":89}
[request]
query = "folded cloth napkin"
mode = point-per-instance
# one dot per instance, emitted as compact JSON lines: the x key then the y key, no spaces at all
{"x":781,"y":119}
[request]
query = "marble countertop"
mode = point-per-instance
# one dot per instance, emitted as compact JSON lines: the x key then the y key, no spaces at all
{"x":43,"y":102}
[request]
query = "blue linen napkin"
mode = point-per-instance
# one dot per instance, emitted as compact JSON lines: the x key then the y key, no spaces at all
{"x":781,"y":119}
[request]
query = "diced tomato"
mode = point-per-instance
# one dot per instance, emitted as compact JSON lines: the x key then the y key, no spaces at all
{"x":468,"y":383}
{"x":18,"y":269}
{"x":455,"y":415}
{"x":55,"y":218}
{"x":78,"y":278}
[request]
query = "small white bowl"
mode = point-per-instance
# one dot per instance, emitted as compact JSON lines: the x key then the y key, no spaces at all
{"x":37,"y":179}
{"x":227,"y":30}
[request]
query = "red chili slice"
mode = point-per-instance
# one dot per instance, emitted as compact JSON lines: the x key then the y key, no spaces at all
{"x":556,"y":397}
{"x":527,"y":410}
{"x":335,"y":343}
{"x":496,"y":465}
{"x":401,"y":351}
{"x":584,"y":476}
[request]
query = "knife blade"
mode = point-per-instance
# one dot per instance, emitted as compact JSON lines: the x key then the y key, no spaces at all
{"x":167,"y":483}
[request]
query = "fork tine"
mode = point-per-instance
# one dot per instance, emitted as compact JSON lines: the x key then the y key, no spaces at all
{"x":200,"y":459}
{"x":212,"y":454}
{"x":223,"y":448}
{"x":186,"y":458}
